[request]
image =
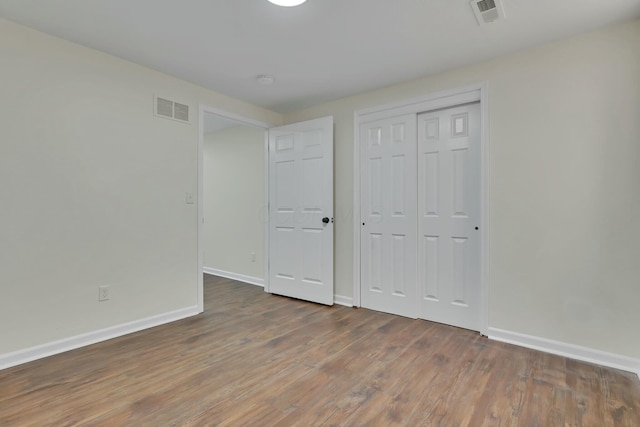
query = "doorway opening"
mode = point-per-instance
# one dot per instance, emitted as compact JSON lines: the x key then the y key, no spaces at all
{"x":296,"y":211}
{"x":232,"y":191}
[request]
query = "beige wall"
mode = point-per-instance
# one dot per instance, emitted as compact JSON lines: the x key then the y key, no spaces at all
{"x":234,"y":206}
{"x":564,"y":185}
{"x":93,"y":189}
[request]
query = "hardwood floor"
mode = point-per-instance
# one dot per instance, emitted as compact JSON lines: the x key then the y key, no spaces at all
{"x":254,"y":359}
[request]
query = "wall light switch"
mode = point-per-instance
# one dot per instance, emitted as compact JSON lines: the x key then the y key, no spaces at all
{"x":190,"y":199}
{"x":103,"y":293}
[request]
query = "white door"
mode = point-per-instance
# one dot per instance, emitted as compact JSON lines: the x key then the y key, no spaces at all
{"x":301,"y":210}
{"x":388,"y":212}
{"x":449,"y":215}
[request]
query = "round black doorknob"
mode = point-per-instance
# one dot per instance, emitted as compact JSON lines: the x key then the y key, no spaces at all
{"x":476,"y":228}
{"x":325,"y":220}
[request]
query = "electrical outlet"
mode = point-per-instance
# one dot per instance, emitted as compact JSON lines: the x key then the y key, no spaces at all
{"x":253,"y":256}
{"x":103,"y":293}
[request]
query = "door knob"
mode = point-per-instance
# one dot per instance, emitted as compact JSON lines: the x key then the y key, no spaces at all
{"x":325,"y":220}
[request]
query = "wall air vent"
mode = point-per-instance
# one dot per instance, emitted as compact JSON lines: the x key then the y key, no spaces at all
{"x":169,"y":109}
{"x":487,"y":11}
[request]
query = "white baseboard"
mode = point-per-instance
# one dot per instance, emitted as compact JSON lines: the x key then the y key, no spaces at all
{"x":337,"y":299}
{"x":572,"y":351}
{"x":19,"y":357}
{"x":235,"y":276}
{"x":342,"y":300}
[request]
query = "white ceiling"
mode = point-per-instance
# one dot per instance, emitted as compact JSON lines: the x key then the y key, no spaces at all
{"x":319,"y":51}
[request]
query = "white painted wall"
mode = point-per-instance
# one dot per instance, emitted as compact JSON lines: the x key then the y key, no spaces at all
{"x":234,"y":205}
{"x":93,"y":189}
{"x":565,"y":170}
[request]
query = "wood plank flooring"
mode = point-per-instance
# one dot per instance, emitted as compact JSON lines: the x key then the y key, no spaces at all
{"x":254,"y":359}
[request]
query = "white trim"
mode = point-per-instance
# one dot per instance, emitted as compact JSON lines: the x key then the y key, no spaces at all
{"x":200,"y":211}
{"x":265,"y":213}
{"x":422,"y":104}
{"x":19,"y":357}
{"x":357,"y":298}
{"x":485,"y":197}
{"x":443,"y":99}
{"x":572,"y":351}
{"x":235,"y":276}
{"x":200,"y":220}
{"x":235,"y":117}
{"x":343,"y":300}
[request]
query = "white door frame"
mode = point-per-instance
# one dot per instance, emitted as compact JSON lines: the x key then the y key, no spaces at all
{"x":444,"y":99}
{"x":245,"y":121}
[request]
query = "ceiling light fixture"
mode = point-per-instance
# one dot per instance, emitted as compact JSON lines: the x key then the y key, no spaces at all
{"x":265,"y":79}
{"x":287,"y":3}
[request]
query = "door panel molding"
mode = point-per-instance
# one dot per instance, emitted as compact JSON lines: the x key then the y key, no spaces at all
{"x":444,"y":99}
{"x":449,"y":204}
{"x":388,"y":212}
{"x":301,"y":210}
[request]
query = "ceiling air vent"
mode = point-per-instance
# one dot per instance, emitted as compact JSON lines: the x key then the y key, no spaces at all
{"x":168,"y":109}
{"x":487,"y":11}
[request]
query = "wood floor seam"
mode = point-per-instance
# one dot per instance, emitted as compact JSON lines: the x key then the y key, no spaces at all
{"x":255,"y":359}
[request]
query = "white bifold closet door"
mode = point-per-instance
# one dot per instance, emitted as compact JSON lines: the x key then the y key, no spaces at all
{"x":420,"y":207}
{"x":449,"y":216}
{"x":388,"y":211}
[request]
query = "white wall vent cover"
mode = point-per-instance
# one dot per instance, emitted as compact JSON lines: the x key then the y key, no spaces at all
{"x":487,"y":11}
{"x":169,"y":109}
